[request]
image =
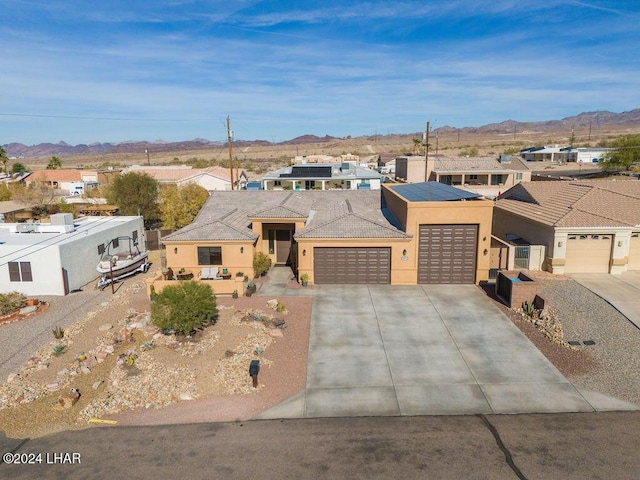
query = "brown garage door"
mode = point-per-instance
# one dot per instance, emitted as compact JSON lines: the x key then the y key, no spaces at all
{"x":634,"y":252}
{"x":349,"y":265}
{"x":447,"y":254}
{"x":588,"y":253}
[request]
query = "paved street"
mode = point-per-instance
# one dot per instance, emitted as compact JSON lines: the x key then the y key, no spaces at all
{"x":544,"y":446}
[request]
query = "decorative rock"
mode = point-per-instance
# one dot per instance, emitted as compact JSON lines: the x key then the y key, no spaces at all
{"x":84,"y":369}
{"x":90,"y":362}
{"x":105,"y":327}
{"x":53,"y":387}
{"x":158,"y":335}
{"x":28,"y":310}
{"x":42,"y":366}
{"x":12,"y":377}
{"x":101,"y":356}
{"x":109,"y":349}
{"x":63,"y":372}
{"x":186,"y":396}
{"x":275,"y":333}
{"x":97,"y":384}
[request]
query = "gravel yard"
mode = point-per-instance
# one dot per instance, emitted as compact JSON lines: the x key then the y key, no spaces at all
{"x":610,"y":366}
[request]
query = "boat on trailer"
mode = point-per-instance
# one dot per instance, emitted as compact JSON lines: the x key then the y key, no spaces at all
{"x":121,"y":258}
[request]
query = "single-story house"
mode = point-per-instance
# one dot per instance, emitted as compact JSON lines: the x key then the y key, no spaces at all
{"x":488,"y":176}
{"x":211,"y":178}
{"x":586,"y":226}
{"x":12,"y":211}
{"x":549,"y":154}
{"x":325,"y":176}
{"x":59,"y":257}
{"x":403,"y":234}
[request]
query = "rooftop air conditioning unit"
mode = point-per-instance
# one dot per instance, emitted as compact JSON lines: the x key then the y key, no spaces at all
{"x":25,"y":228}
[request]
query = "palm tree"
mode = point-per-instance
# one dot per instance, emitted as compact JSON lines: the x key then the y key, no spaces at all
{"x":3,"y":159}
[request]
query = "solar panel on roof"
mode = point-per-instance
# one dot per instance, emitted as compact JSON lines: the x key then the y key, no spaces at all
{"x":432,"y":192}
{"x":308,"y":172}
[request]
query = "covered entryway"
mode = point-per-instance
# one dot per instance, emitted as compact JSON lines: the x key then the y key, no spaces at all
{"x":351,"y":265}
{"x":587,"y":253}
{"x":447,"y":254}
{"x":634,"y":252}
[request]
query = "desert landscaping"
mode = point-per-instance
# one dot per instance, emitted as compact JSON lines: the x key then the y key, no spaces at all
{"x":124,"y":368}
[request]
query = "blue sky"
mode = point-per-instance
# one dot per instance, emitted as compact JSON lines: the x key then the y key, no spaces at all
{"x":88,"y":71}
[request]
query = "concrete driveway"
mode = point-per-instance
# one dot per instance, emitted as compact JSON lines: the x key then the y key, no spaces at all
{"x":622,"y":291}
{"x":383,"y":350}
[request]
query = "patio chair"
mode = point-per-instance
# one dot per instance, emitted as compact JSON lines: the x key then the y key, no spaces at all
{"x":209,"y":273}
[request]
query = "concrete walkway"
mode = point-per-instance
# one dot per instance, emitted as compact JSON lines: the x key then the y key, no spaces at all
{"x":384,"y":350}
{"x":275,"y":285}
{"x":621,"y":291}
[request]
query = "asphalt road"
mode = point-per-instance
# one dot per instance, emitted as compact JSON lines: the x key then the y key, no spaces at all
{"x":544,"y":446}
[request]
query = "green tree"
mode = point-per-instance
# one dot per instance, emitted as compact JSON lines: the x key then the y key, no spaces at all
{"x":3,"y":159}
{"x":179,"y":206}
{"x":626,"y":153}
{"x":18,"y":168}
{"x":135,"y":194}
{"x":184,"y":307}
{"x":261,"y":263}
{"x":54,"y":164}
{"x":417,"y":146}
{"x":5,"y":192}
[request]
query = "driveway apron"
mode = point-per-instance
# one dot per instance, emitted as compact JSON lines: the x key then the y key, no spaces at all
{"x":381,"y":350}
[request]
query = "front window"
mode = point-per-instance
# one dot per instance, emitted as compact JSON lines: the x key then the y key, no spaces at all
{"x":209,"y":255}
{"x":20,"y":272}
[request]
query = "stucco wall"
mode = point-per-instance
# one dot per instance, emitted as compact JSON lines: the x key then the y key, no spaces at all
{"x":236,"y":256}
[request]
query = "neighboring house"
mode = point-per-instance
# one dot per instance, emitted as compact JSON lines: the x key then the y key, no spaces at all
{"x":549,"y":154}
{"x":58,"y":257}
{"x":326,"y":176}
{"x":11,"y":211}
{"x":586,"y":226}
{"x":487,"y":176}
{"x":63,"y":180}
{"x":211,"y":178}
{"x":348,"y":157}
{"x":400,"y":235}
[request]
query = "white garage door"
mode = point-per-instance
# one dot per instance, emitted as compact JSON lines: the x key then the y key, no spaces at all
{"x":587,"y":253}
{"x":634,"y":252}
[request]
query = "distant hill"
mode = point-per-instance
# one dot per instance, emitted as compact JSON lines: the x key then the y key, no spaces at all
{"x":62,"y":149}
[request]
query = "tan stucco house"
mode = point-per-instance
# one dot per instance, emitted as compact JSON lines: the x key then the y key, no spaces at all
{"x":400,"y":235}
{"x":487,"y":176}
{"x":586,"y":226}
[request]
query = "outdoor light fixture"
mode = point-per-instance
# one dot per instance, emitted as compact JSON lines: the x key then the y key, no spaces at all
{"x":241,"y":249}
{"x":560,"y":244}
{"x":304,"y":253}
{"x":485,"y":251}
{"x":619,"y":243}
{"x":175,"y":250}
{"x":404,"y":252}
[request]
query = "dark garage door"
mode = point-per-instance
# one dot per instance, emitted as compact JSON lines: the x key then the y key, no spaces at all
{"x":336,"y":265}
{"x":447,"y":254}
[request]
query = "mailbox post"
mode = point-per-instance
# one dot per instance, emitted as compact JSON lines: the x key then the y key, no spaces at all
{"x":254,"y":369}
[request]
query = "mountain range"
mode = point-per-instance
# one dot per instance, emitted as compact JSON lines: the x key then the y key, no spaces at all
{"x":585,"y":119}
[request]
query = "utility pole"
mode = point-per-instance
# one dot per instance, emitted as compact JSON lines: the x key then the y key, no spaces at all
{"x":426,"y":153}
{"x":146,"y":150}
{"x":229,"y":140}
{"x":515,"y":129}
{"x":589,"y":129}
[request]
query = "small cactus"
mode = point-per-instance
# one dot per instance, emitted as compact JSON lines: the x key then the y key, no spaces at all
{"x":58,"y":333}
{"x":528,"y":308}
{"x":58,"y":350}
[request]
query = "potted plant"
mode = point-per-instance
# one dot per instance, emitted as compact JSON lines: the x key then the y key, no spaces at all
{"x":234,"y":294}
{"x":304,"y":278}
{"x":251,"y":287}
{"x":152,"y":292}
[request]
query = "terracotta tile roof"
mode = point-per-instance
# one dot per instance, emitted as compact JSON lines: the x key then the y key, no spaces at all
{"x":62,"y":175}
{"x":330,"y":214}
{"x":583,"y":203}
{"x":174,"y":174}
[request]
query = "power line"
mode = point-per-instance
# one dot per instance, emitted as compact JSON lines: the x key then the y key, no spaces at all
{"x":117,"y":119}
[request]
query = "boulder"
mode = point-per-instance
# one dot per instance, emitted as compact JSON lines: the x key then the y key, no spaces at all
{"x":68,"y":400}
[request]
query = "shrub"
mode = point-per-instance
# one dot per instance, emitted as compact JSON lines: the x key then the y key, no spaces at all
{"x":58,"y":350}
{"x":280,"y":307}
{"x":261,"y":263}
{"x":11,"y":302}
{"x":184,"y":307}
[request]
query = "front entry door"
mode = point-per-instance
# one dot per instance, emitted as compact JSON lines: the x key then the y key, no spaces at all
{"x":283,"y":245}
